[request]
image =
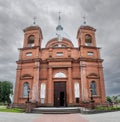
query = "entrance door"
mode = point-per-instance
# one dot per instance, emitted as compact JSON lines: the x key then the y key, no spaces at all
{"x":59,"y":94}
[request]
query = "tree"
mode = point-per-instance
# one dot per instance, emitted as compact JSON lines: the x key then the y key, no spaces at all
{"x":109,"y":100}
{"x":6,"y":88}
{"x":115,"y":100}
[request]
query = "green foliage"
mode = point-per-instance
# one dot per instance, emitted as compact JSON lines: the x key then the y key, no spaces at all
{"x":6,"y":88}
{"x":105,"y":108}
{"x":115,"y":99}
{"x":108,"y":98}
{"x":16,"y":110}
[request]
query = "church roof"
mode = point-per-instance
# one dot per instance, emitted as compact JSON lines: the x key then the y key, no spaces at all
{"x":35,"y":27}
{"x":60,"y":37}
{"x":55,"y":43}
{"x":87,"y":27}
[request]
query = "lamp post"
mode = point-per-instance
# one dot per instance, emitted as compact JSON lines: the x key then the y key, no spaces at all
{"x":28,"y":103}
{"x":91,"y":98}
{"x":28,"y":98}
{"x":91,"y":94}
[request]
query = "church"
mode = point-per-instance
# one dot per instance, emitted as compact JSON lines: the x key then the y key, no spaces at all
{"x":59,"y":75}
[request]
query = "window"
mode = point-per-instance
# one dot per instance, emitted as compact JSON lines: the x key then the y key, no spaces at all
{"x":43,"y":92}
{"x":88,"y":40}
{"x":29,"y":54}
{"x":59,"y":53}
{"x":93,"y":88}
{"x":77,"y":100}
{"x":25,"y":89}
{"x":55,"y":45}
{"x":30,"y":41}
{"x":60,"y":75}
{"x":90,"y":53}
{"x":76,"y":90}
{"x":64,"y":45}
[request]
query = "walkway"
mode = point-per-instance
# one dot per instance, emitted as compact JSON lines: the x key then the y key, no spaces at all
{"x":23,"y":117}
{"x":61,"y":118}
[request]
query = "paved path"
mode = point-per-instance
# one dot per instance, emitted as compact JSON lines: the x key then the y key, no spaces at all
{"x":61,"y":118}
{"x":103,"y":117}
{"x":23,"y":117}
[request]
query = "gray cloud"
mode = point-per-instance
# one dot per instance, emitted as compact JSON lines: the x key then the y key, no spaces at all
{"x":104,"y":15}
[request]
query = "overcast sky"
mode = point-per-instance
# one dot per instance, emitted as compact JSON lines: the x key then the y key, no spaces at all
{"x":15,"y":15}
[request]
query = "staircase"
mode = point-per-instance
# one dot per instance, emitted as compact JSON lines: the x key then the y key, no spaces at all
{"x":53,"y":110}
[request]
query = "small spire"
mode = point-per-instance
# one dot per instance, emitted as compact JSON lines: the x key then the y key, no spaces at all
{"x":59,"y":21}
{"x":59,"y":28}
{"x":34,"y":20}
{"x":84,"y":20}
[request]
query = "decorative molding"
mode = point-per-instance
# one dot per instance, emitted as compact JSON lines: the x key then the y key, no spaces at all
{"x":26,"y":76}
{"x":93,"y":76}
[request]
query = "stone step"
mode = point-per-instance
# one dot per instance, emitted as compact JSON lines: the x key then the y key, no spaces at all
{"x":53,"y":110}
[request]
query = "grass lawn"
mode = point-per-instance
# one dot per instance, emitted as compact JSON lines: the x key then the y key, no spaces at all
{"x":5,"y":109}
{"x":107,"y":108}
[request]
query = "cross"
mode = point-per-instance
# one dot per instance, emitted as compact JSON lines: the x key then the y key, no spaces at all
{"x":59,"y":12}
{"x":84,"y":20}
{"x":34,"y":20}
{"x":59,"y":15}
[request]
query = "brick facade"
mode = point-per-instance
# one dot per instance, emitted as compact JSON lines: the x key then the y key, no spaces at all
{"x":40,"y":68}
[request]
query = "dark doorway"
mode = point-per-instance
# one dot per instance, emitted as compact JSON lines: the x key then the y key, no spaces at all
{"x":59,"y":94}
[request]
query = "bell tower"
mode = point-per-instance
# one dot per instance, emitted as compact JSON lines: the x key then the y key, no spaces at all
{"x":32,"y":36}
{"x":92,"y":79}
{"x":27,"y":76}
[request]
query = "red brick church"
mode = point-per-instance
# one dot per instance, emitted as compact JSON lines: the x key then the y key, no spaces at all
{"x":59,"y":74}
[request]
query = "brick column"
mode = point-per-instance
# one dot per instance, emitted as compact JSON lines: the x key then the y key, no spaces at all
{"x":70,"y":86}
{"x":102,"y":85}
{"x":84,"y":81}
{"x":50,"y":90}
{"x":35,"y":95}
{"x":17,"y":86}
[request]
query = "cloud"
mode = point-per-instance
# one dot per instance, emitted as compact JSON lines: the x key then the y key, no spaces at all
{"x":102,"y":14}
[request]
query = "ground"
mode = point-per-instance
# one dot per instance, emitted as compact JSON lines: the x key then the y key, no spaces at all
{"x":23,"y":117}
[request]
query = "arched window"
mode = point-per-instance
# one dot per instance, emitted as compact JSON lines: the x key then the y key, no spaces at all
{"x":93,"y":88}
{"x":30,"y":41}
{"x":25,"y":89}
{"x":88,"y":40}
{"x":60,"y":75}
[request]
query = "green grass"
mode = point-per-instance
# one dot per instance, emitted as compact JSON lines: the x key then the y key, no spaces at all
{"x":107,"y":108}
{"x":5,"y":109}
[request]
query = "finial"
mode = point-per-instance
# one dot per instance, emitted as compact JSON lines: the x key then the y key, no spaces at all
{"x":34,"y":20}
{"x":59,"y":28}
{"x":84,"y":20}
{"x":59,"y":18}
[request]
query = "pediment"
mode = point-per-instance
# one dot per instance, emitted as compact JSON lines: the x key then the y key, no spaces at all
{"x":26,"y":76}
{"x":93,"y":75}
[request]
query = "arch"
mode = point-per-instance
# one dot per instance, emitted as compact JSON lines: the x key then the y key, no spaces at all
{"x":60,"y":75}
{"x":31,"y":40}
{"x":88,"y":40}
{"x":54,"y":43}
{"x":93,"y":87}
{"x":25,"y":89}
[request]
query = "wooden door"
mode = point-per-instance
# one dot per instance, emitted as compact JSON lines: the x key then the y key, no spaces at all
{"x":59,"y":94}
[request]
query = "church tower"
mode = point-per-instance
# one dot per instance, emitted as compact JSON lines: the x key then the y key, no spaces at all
{"x":92,"y":80}
{"x":27,"y":76}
